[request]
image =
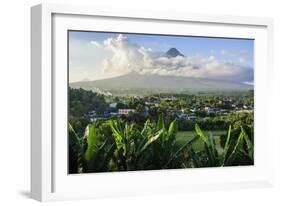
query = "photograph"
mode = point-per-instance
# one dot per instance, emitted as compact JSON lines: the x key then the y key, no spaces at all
{"x":140,"y":102}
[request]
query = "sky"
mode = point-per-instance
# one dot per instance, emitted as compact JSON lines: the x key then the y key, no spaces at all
{"x":100,"y":55}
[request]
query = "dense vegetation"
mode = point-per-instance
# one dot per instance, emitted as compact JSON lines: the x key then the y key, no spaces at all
{"x":118,"y":146}
{"x":82,"y":101}
{"x":153,"y":136}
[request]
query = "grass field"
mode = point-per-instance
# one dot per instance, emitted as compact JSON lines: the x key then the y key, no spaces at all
{"x":185,"y":136}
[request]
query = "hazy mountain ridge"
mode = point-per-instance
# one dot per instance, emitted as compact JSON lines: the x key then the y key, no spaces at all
{"x":134,"y":80}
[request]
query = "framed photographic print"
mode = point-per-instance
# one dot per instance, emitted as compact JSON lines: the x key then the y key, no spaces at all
{"x":133,"y":102}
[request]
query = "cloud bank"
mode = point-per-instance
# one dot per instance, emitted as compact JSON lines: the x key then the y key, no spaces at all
{"x":127,"y":56}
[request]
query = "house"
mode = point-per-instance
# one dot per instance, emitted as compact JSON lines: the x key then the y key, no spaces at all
{"x":211,"y":111}
{"x":183,"y":116}
{"x":172,"y":98}
{"x":91,"y":114}
{"x":171,"y":111}
{"x":113,"y":105}
{"x":125,"y":111}
{"x":245,"y":111}
{"x":198,"y":105}
{"x":223,"y":111}
{"x":192,"y":118}
{"x":193,"y":110}
{"x":114,"y":114}
{"x":156,"y":104}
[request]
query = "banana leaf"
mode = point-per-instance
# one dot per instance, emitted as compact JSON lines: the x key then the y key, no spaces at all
{"x":226,"y":146}
{"x":92,"y":142}
{"x":236,"y":149}
{"x":151,"y":140}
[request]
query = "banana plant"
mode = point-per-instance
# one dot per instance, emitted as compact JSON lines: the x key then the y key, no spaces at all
{"x":131,"y":143}
{"x":93,"y":153}
{"x":153,"y":147}
{"x":76,"y":150}
{"x":115,"y":145}
{"x":165,"y":152}
{"x":229,"y":154}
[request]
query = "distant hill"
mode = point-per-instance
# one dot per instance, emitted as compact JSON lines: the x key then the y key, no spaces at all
{"x":136,"y":81}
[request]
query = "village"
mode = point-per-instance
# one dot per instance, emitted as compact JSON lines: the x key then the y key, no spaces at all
{"x":188,"y":112}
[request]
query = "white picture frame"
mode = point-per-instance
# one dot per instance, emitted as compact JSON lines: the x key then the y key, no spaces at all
{"x":49,"y":179}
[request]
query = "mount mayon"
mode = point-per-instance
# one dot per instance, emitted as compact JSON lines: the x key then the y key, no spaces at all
{"x":136,"y":81}
{"x":173,"y":52}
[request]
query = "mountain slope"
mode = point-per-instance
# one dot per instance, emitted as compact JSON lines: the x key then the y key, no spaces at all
{"x":134,"y":80}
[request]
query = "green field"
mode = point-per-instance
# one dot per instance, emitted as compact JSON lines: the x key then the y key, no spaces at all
{"x":185,"y":136}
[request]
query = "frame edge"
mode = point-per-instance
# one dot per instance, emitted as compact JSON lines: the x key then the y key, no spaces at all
{"x":36,"y":118}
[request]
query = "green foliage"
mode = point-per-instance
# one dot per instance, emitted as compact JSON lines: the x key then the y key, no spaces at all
{"x":82,"y":101}
{"x":76,"y":150}
{"x":92,"y":142}
{"x":119,"y":146}
{"x":166,"y":131}
{"x":200,"y":133}
{"x":245,"y":154}
{"x":230,"y":154}
{"x":119,"y":136}
{"x":161,"y":123}
{"x":151,"y":140}
{"x":236,"y":149}
{"x":127,"y":147}
{"x":226,"y":146}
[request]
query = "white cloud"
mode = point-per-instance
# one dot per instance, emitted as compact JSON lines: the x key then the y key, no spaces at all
{"x":97,"y":44}
{"x":85,"y":59}
{"x":126,"y":56}
{"x":241,"y":56}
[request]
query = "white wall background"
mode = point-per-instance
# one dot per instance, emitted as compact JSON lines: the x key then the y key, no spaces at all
{"x":15,"y":95}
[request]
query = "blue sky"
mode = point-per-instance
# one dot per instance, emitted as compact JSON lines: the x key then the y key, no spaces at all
{"x":188,"y":45}
{"x":232,"y":51}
